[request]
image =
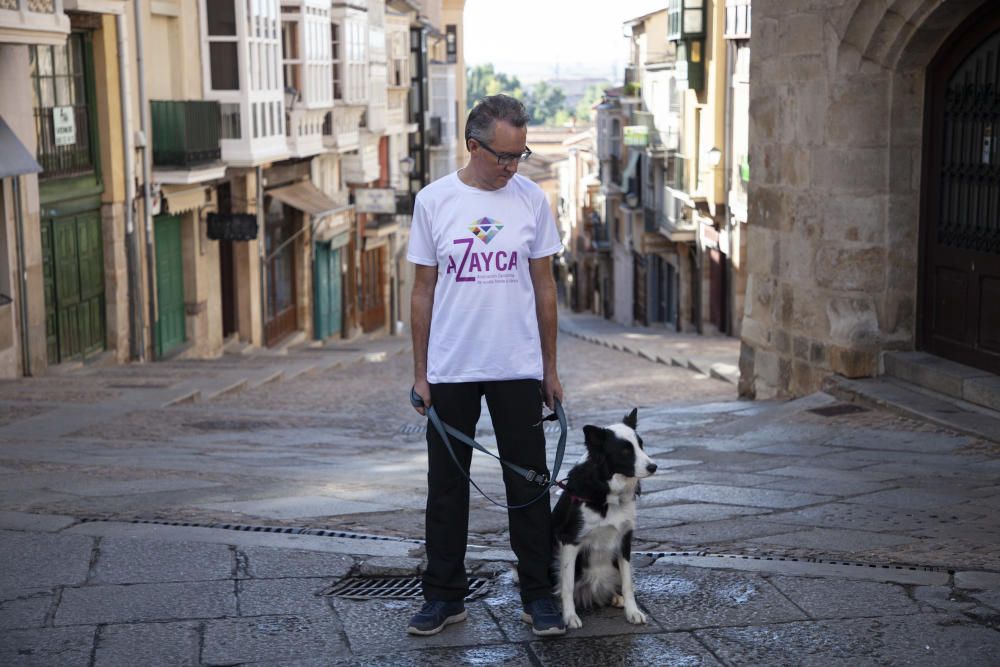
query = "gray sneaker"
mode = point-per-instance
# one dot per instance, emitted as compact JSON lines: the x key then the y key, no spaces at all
{"x":434,"y":615}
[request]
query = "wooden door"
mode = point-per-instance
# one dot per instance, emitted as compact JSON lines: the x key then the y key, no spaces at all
{"x":960,"y":262}
{"x":282,"y":317}
{"x":327,"y":291}
{"x":73,"y":272}
{"x":372,"y":290}
{"x":169,"y":284}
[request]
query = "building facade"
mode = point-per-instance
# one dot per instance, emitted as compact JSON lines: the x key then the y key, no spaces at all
{"x":873,"y":190}
{"x":171,"y":206}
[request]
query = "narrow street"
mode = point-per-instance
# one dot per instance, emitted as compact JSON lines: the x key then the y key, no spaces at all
{"x":842,"y":534}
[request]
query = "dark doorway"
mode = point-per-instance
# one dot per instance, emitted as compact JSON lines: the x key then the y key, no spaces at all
{"x":282,"y":318}
{"x":960,"y":235}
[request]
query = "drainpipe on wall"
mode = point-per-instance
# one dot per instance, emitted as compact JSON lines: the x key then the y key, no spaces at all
{"x":144,"y":124}
{"x":137,"y":350}
{"x":22,"y":275}
{"x":261,"y":252}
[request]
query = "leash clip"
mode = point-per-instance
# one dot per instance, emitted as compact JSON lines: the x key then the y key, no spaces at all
{"x":537,"y":478}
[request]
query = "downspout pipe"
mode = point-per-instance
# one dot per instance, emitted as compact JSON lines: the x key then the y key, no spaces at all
{"x":144,"y":126}
{"x":262,"y":254}
{"x":137,"y":350}
{"x":22,"y":275}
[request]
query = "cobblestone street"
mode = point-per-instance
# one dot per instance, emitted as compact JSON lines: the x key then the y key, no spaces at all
{"x":814,"y":521}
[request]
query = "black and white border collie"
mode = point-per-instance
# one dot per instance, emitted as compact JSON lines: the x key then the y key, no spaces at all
{"x":593,"y":522}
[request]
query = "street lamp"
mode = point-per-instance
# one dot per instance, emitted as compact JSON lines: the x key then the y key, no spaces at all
{"x":291,"y":95}
{"x":406,"y":164}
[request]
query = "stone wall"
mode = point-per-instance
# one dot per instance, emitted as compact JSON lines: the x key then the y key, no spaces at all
{"x":836,"y":118}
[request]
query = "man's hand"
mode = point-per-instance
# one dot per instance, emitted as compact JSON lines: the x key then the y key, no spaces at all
{"x":423,"y":389}
{"x":552,"y":390}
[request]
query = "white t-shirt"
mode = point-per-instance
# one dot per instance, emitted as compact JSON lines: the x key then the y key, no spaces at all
{"x":483,"y":326}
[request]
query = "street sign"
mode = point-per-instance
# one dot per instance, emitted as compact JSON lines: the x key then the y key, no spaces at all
{"x":375,"y":200}
{"x":64,"y":126}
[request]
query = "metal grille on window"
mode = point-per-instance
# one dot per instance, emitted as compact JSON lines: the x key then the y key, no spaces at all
{"x":62,"y":115}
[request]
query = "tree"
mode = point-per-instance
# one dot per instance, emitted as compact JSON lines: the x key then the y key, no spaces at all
{"x":483,"y":80}
{"x":546,"y":101}
{"x":584,"y":108}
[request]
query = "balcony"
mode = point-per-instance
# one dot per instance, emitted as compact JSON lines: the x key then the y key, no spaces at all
{"x":305,"y":132}
{"x":341,"y":128}
{"x":37,"y":22}
{"x":186,"y":144}
{"x":362,"y":166}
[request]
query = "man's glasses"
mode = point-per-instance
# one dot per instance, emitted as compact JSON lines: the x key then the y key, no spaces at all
{"x":504,"y":159}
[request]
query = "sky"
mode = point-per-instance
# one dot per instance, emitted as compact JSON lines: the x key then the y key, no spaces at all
{"x":537,"y":39}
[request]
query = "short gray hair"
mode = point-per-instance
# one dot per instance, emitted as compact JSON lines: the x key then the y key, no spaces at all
{"x":489,"y":110}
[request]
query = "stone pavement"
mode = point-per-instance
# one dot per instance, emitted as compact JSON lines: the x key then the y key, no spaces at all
{"x":139,"y":530}
{"x":717,"y":356}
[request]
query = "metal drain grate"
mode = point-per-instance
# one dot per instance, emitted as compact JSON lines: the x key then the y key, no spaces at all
{"x":838,"y":409}
{"x":792,"y":559}
{"x":250,"y":528}
{"x":394,"y":588}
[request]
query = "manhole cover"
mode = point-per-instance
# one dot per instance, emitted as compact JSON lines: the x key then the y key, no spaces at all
{"x":838,"y":409}
{"x":232,"y":425}
{"x":394,"y":588}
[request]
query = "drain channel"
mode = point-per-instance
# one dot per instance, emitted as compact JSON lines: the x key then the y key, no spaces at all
{"x":249,"y":528}
{"x":394,"y":588}
{"x":792,"y":559}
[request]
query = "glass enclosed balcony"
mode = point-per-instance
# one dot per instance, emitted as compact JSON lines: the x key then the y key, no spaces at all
{"x":185,"y":134}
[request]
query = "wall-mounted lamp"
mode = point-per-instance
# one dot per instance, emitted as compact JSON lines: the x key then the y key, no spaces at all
{"x":713,"y":157}
{"x":406,"y":164}
{"x":291,"y":96}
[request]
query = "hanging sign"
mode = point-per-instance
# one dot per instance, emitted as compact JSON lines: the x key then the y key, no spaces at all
{"x":64,"y":126}
{"x":375,"y":200}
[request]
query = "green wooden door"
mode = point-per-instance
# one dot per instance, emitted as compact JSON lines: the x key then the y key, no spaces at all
{"x":73,"y":273}
{"x":321,"y":291}
{"x":169,"y":284}
{"x":327,"y":291}
{"x":334,"y":291}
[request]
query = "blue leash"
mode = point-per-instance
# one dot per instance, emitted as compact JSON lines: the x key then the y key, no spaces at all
{"x":444,"y":430}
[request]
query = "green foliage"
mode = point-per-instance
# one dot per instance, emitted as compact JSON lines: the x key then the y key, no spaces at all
{"x":546,"y":104}
{"x":584,"y":108}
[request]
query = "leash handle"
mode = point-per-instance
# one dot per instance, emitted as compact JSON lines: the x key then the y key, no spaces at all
{"x":444,"y":430}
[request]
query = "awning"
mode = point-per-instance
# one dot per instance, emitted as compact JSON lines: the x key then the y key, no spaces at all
{"x":307,"y":198}
{"x":15,"y":160}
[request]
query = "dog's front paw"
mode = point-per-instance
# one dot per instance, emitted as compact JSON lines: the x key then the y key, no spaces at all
{"x":573,"y":621}
{"x":635,"y":616}
{"x":617,"y":601}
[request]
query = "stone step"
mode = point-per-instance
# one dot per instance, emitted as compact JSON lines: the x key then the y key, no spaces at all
{"x":944,"y":377}
{"x":916,"y":402}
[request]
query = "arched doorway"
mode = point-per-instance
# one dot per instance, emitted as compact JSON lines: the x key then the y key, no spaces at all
{"x":960,"y":207}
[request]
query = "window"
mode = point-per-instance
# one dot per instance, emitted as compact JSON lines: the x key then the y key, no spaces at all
{"x":220,"y":17}
{"x":59,"y":93}
{"x":335,"y":54}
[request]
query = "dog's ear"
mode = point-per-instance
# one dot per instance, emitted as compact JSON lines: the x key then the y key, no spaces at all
{"x":594,"y":437}
{"x":632,"y":419}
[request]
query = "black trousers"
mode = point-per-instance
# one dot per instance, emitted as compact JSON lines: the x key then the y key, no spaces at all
{"x":515,"y":407}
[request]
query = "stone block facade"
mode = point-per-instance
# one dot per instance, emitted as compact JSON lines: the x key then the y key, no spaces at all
{"x":836,"y":138}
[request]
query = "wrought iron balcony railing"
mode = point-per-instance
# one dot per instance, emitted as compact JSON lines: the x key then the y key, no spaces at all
{"x":185,"y":134}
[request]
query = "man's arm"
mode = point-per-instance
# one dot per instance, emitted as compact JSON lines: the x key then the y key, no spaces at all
{"x":421,"y":307}
{"x":544,"y":286}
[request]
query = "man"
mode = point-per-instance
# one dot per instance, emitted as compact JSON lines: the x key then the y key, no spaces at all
{"x":483,"y":317}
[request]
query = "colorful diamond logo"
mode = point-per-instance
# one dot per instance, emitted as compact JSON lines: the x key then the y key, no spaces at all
{"x":485,"y":229}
